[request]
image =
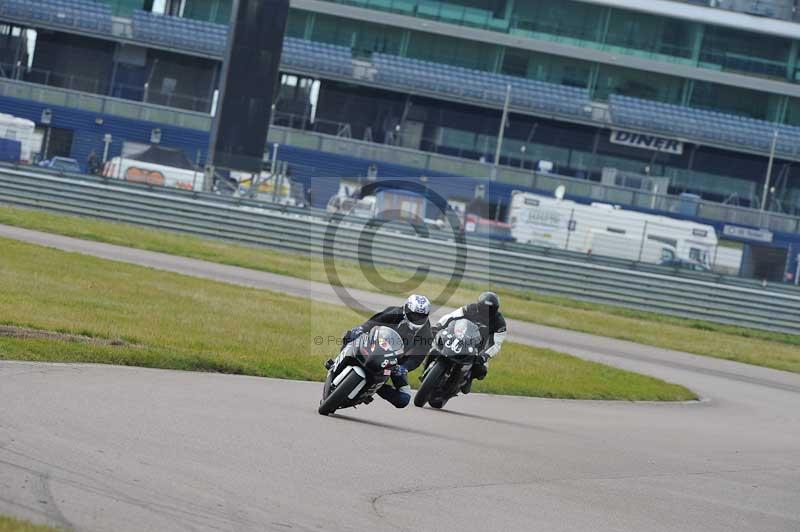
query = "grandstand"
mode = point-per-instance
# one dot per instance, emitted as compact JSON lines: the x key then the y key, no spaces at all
{"x":717,"y":79}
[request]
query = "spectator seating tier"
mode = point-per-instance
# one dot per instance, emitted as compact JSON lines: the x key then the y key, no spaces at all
{"x":481,"y":86}
{"x":704,"y":125}
{"x":81,"y":14}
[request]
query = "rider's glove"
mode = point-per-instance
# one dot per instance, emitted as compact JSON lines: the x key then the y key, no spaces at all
{"x":399,"y":371}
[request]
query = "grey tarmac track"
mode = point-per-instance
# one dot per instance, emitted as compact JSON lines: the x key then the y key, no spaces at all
{"x":102,"y":448}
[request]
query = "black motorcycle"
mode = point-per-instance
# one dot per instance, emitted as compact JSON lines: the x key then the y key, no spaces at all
{"x":361,"y":368}
{"x":449,"y":363}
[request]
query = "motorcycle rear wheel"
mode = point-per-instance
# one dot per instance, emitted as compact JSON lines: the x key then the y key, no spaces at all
{"x":435,"y":372}
{"x":339,"y":395}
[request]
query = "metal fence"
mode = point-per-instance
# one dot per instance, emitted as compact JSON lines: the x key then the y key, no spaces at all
{"x":773,"y":308}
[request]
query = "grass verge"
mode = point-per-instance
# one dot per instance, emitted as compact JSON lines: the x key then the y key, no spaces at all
{"x":165,"y":320}
{"x":774,"y":350}
{"x":9,"y":524}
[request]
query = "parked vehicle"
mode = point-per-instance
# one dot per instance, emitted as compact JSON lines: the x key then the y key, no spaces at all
{"x":449,"y":364}
{"x":607,"y":230}
{"x":361,"y":368}
{"x":24,"y":131}
{"x":62,"y":164}
{"x":154,"y":174}
{"x":10,"y":151}
{"x":349,"y":206}
{"x":685,"y":265}
{"x":269,"y":188}
{"x":483,"y":227}
{"x":156,"y":165}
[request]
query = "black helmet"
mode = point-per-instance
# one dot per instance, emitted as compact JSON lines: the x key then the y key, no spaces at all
{"x":488,"y":301}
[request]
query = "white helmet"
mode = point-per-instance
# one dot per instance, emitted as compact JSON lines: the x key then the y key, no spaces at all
{"x":416,"y":311}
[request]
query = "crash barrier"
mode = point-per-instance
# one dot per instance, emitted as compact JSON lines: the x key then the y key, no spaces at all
{"x":712,"y":298}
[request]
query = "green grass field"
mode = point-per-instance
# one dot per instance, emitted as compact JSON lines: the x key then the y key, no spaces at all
{"x":9,"y":524}
{"x":165,"y":320}
{"x":779,"y":351}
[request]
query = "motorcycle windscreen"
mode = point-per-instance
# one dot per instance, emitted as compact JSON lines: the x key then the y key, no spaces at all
{"x":380,"y":348}
{"x":467,"y":332}
{"x":463,"y":340}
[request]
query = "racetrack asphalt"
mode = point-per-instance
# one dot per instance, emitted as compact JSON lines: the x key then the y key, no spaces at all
{"x":103,"y":448}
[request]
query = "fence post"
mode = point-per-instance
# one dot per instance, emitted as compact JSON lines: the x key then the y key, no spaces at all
{"x":644,"y":237}
{"x":797,"y":272}
{"x":569,"y":228}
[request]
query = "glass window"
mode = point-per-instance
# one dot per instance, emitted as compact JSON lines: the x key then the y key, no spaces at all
{"x":552,"y":69}
{"x":742,"y":51}
{"x":641,"y":31}
{"x":451,"y":51}
{"x":125,"y":8}
{"x":638,"y":84}
{"x":489,"y":5}
{"x":614,"y":29}
{"x":200,"y":9}
{"x":361,"y":36}
{"x":296,"y":24}
{"x":725,"y":98}
{"x":711,"y":186}
{"x":793,"y":112}
{"x":456,"y":138}
{"x":560,"y":70}
{"x":563,"y":18}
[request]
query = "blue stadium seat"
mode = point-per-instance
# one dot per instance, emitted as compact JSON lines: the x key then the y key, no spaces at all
{"x":318,"y":57}
{"x":703,"y":125}
{"x":84,"y":14}
{"x":180,"y":32}
{"x":485,"y":86}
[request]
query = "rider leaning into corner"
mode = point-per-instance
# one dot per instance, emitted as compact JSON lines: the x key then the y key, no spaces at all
{"x":487,"y":316}
{"x":412,"y":324}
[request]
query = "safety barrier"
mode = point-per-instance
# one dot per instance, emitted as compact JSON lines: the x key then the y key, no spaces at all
{"x":712,"y":298}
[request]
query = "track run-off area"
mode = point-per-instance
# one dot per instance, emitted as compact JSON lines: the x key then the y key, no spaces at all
{"x":103,"y":448}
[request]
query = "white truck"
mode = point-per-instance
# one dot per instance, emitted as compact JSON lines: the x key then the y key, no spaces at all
{"x":607,"y":230}
{"x":153,"y":174}
{"x":23,"y":131}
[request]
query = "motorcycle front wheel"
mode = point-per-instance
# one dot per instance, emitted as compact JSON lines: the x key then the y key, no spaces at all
{"x":339,"y":395}
{"x":435,"y":372}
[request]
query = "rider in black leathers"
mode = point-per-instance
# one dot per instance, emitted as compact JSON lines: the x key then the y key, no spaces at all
{"x":492,"y":325}
{"x":412,"y":324}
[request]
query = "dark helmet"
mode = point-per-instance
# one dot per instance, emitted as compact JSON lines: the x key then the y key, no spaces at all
{"x":489,"y":302}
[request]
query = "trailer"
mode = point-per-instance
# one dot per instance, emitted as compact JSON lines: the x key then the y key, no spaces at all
{"x":608,"y":230}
